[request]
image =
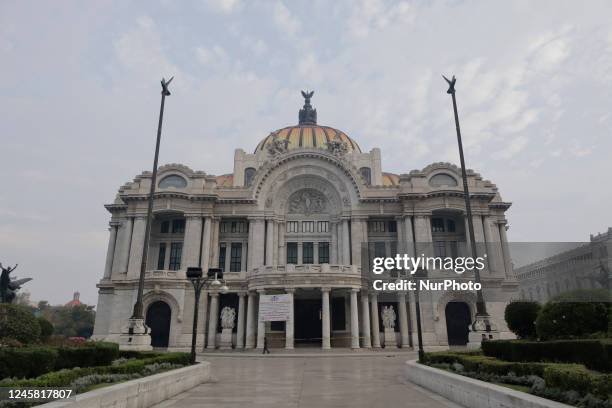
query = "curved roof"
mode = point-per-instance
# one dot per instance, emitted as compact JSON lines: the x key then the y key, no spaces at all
{"x":313,"y":136}
{"x":390,"y":179}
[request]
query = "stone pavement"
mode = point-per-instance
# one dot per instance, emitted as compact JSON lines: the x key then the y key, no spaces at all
{"x":320,"y":381}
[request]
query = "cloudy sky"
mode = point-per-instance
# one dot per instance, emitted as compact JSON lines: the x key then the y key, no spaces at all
{"x":79,"y":98}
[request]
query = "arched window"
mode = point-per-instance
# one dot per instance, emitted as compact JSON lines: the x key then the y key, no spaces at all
{"x":249,"y":176}
{"x":173,"y":181}
{"x":366,"y":173}
{"x":442,"y":179}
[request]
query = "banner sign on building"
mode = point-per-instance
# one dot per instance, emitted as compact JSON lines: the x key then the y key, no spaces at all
{"x":274,"y":308}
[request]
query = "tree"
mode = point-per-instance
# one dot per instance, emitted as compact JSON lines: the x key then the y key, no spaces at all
{"x":577,"y":313}
{"x":46,"y":328}
{"x":521,"y":317}
{"x":18,"y":323}
{"x":71,"y":321}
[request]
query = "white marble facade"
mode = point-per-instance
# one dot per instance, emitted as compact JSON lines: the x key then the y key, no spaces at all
{"x":292,"y":218}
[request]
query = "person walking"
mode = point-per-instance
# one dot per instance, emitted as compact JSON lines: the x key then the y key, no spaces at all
{"x":265,"y":348}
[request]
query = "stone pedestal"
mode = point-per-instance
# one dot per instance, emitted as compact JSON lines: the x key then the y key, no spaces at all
{"x":135,"y":336}
{"x":483,"y":329}
{"x":390,"y":340}
{"x":226,"y":339}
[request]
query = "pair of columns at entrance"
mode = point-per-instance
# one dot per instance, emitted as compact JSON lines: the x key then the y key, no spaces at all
{"x":213,"y":320}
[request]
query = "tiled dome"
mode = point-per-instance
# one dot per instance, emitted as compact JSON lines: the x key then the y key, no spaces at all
{"x":314,"y":136}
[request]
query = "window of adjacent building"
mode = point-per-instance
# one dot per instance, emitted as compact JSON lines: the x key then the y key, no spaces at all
{"x":161,"y":256}
{"x":307,"y":253}
{"x":323,"y":226}
{"x":323,"y":252}
{"x":249,"y":176}
{"x":379,"y":250}
{"x":178,"y":226}
{"x":292,"y":253}
{"x":176,"y":250}
{"x":173,"y":181}
{"x":338,"y":314}
{"x":236,"y":257}
{"x":307,"y":226}
{"x":234,"y":226}
{"x":392,"y":226}
{"x":366,"y":173}
{"x":442,"y":179}
{"x":165,"y":227}
{"x":292,"y":226}
{"x":440,"y":249}
{"x":376,"y":226}
{"x":222,"y":250}
{"x":450,"y":225}
{"x":437,"y":224}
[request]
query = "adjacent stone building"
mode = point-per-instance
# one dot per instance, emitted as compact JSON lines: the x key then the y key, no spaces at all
{"x":292,"y":218}
{"x":585,"y":267}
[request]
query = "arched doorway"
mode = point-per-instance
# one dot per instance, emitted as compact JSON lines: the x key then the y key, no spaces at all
{"x":457,"y":323}
{"x":158,"y":319}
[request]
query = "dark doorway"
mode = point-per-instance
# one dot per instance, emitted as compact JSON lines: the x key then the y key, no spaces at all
{"x":158,"y":319}
{"x":457,"y":323}
{"x":308,"y":325}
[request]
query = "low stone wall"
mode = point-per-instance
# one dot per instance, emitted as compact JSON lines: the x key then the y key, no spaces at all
{"x":141,"y":393}
{"x":472,"y":393}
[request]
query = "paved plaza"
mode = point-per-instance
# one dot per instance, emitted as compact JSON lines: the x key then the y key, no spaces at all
{"x":315,"y":381}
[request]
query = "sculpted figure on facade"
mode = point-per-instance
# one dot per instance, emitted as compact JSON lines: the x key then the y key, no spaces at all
{"x":388,"y":317}
{"x":228,"y":315}
{"x":307,"y":202}
{"x":277,"y":146}
{"x":337,"y":147}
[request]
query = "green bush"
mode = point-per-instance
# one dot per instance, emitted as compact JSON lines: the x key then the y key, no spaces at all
{"x":574,"y":314}
{"x":46,"y":328}
{"x":475,"y":363}
{"x":63,"y":378}
{"x":26,"y":362}
{"x":17,"y":322}
{"x":579,"y":379}
{"x":595,"y":354}
{"x":521,"y":316}
{"x":89,"y":355}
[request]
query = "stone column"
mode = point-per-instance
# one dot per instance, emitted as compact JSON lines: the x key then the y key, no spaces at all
{"x":346,"y":248}
{"x":138,"y":236}
{"x":240,"y":328}
{"x":261,"y":325}
{"x":192,"y":242}
{"x":374,"y":314}
{"x":354,"y":320}
{"x":333,"y":245}
{"x":269,"y":242}
{"x":403,"y":319}
{"x":468,"y":243}
{"x":122,"y":248}
{"x":250,"y":324}
{"x":203,"y":317}
{"x":290,"y":323}
{"x":256,"y":243}
{"x":408,"y":245}
{"x":275,"y":244}
{"x":213,"y":318}
{"x":206,"y":244}
{"x":422,"y":231}
{"x":326,"y":329}
{"x":505,"y":250}
{"x":282,"y":257}
{"x":365,"y":320}
{"x":358,"y":236}
{"x":110,"y":252}
{"x":214,"y":244}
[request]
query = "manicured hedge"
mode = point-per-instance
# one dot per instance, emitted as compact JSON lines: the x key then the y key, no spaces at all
{"x":578,"y":378}
{"x":595,"y":354}
{"x":479,"y":363}
{"x":63,"y":378}
{"x":28,"y":362}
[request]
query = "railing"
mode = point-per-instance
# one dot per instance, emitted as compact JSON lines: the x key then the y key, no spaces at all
{"x":307,"y":269}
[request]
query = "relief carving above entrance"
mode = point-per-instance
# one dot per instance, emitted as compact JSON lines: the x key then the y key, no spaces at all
{"x":307,"y":202}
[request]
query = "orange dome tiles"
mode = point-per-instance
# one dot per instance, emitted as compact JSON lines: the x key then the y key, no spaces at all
{"x":309,"y":136}
{"x":390,"y":179}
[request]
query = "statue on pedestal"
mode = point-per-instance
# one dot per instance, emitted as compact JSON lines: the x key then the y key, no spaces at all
{"x":228,"y":316}
{"x":388,"y":318}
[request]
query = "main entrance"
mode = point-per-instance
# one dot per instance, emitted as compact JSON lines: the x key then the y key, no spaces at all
{"x":457,"y":323}
{"x":308,"y":325}
{"x":158,"y":319}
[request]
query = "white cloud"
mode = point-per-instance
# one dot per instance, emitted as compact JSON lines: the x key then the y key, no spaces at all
{"x":285,"y":20}
{"x":225,"y":6}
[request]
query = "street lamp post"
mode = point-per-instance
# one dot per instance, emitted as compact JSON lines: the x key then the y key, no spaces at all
{"x":135,"y":335}
{"x":482,"y":321}
{"x":215,"y":277}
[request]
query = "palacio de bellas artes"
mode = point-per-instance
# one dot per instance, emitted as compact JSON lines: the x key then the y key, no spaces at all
{"x":295,"y":217}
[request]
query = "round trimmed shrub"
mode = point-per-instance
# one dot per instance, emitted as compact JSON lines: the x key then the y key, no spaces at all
{"x":521,"y":316}
{"x":46,"y":328}
{"x":17,"y":322}
{"x":575,"y":314}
